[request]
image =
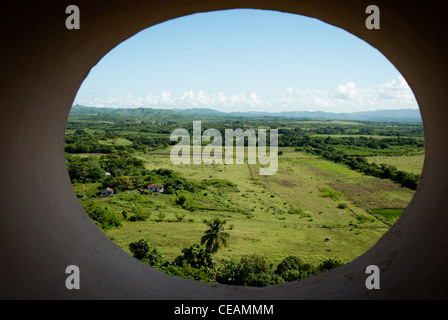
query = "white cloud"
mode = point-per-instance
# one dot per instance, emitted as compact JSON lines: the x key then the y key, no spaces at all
{"x":347,"y":97}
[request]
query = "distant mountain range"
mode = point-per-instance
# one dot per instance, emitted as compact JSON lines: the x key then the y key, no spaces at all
{"x":401,"y":115}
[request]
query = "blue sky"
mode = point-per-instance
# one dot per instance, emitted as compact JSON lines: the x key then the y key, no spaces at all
{"x":246,"y":60}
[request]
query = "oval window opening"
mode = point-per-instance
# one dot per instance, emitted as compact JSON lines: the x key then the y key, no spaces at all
{"x":330,"y":136}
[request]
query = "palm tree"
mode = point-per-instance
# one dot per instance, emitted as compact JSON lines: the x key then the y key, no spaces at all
{"x":214,"y":238}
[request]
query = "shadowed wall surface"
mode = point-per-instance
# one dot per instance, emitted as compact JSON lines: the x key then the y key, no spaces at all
{"x":43,"y":228}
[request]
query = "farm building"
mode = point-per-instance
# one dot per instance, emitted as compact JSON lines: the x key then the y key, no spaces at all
{"x":155,"y":187}
{"x":107,"y":192}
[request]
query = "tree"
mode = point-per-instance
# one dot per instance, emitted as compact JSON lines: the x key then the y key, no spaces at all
{"x":188,"y":272}
{"x":263,"y":279}
{"x":196,"y":257}
{"x":231,"y":272}
{"x":292,"y":268}
{"x":289,"y":263}
{"x":123,"y":183}
{"x":214,"y":238}
{"x":329,"y":264}
{"x":252,"y":270}
{"x":104,"y":217}
{"x":145,"y":252}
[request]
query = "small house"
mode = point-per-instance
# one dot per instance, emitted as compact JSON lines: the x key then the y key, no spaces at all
{"x":107,"y":192}
{"x":155,"y":187}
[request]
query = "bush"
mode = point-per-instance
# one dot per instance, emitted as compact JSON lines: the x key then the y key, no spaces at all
{"x":363,"y":219}
{"x":255,"y":271}
{"x":251,"y":270}
{"x":329,"y":264}
{"x":292,"y":275}
{"x":289,"y":263}
{"x":139,"y":214}
{"x":180,"y":199}
{"x":300,"y":212}
{"x":292,"y":269}
{"x":122,"y":183}
{"x":255,"y":264}
{"x":232,"y":272}
{"x":342,"y":205}
{"x":220,"y":184}
{"x":161,"y":216}
{"x":104,"y":217}
{"x":145,"y":252}
{"x":263,"y":279}
{"x":188,"y":272}
{"x":330,"y":193}
{"x":195,"y":256}
{"x":179,"y":217}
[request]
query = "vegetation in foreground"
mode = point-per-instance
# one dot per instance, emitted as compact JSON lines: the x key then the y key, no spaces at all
{"x":197,"y":263}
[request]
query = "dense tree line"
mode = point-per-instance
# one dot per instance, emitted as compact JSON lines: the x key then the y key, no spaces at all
{"x":360,"y":164}
{"x":298,"y":138}
{"x":253,"y":270}
{"x":103,"y":142}
{"x":127,"y":172}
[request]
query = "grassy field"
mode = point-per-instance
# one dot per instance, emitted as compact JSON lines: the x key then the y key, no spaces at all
{"x":311,"y":207}
{"x":389,"y":215}
{"x":410,"y":163}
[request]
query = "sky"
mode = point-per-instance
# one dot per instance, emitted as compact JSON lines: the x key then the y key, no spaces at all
{"x":246,"y":60}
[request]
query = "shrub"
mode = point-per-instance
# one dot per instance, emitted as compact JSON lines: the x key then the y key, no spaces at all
{"x":139,"y":214}
{"x":196,"y":256}
{"x":330,"y":193}
{"x":161,"y":216}
{"x":232,"y":272}
{"x":252,"y":270}
{"x":104,"y":217}
{"x":145,"y":252}
{"x":179,"y":217}
{"x":292,"y":268}
{"x":188,"y":272}
{"x":220,"y":184}
{"x":122,"y":183}
{"x":329,"y":264}
{"x":342,"y":205}
{"x":169,"y":190}
{"x":180,"y":199}
{"x":255,"y":263}
{"x":363,"y":219}
{"x":263,"y":279}
{"x":300,"y":212}
{"x":289,"y":263}
{"x":291,"y":275}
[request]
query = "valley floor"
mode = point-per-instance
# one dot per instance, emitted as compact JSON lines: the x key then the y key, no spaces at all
{"x":311,"y":207}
